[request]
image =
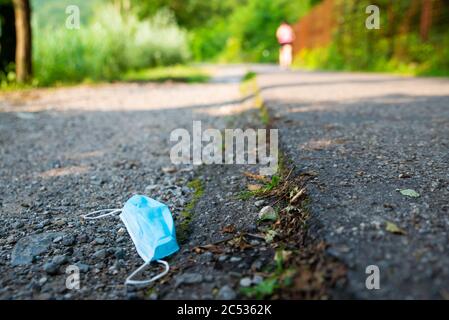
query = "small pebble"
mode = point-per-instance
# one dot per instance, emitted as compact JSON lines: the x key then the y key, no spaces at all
{"x":226,"y":293}
{"x":245,"y":282}
{"x":235,"y":259}
{"x":100,"y":254}
{"x":51,"y":268}
{"x":99,"y":240}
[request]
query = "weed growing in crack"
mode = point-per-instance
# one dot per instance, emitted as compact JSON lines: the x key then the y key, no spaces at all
{"x":301,"y":268}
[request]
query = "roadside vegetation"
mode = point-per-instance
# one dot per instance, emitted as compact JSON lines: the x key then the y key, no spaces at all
{"x":124,"y":39}
{"x":107,"y":48}
{"x":247,"y":32}
{"x":177,"y":73}
{"x":407,"y":42}
{"x":109,"y":45}
{"x":302,"y":269}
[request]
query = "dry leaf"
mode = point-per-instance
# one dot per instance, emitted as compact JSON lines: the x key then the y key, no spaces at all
{"x":240,"y":243}
{"x":209,"y":247}
{"x":256,"y":176}
{"x":393,"y":228}
{"x":409,"y":193}
{"x":229,"y":229}
{"x":299,"y":194}
{"x":254,"y":187}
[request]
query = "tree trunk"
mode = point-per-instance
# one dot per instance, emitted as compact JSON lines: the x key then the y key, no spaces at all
{"x":23,"y":47}
{"x":405,"y":29}
{"x":406,"y":23}
{"x":426,"y":19}
{"x":7,"y":36}
{"x":391,"y":32}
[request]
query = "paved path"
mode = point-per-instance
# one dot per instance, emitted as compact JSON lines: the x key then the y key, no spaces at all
{"x":68,"y":151}
{"x":365,"y":136}
{"x":65,"y":152}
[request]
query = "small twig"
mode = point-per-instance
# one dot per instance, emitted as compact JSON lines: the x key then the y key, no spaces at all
{"x":288,"y":176}
{"x":255,"y":176}
{"x":300,"y":193}
{"x":254,"y":236}
{"x":205,"y":247}
{"x":276,"y":202}
{"x":286,"y":182}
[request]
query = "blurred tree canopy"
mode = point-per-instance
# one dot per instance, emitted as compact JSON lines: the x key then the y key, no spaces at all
{"x":52,"y":12}
{"x":230,"y":30}
{"x":197,"y":13}
{"x":414,"y":35}
{"x":190,"y":13}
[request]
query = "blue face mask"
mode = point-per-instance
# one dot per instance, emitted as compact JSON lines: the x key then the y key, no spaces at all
{"x":151,"y":227}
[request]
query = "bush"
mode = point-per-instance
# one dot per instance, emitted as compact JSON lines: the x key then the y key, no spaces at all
{"x":249,"y":32}
{"x":389,"y":49}
{"x":105,"y":48}
{"x":207,"y":43}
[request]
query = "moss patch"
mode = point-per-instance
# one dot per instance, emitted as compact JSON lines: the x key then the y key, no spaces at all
{"x":183,"y":228}
{"x":249,"y":75}
{"x":248,"y":87}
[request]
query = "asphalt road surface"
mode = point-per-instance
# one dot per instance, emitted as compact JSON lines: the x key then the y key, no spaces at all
{"x":366,"y":137}
{"x":363,"y":137}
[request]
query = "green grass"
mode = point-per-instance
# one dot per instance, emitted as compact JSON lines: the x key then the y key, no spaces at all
{"x":279,"y":278}
{"x":264,"y":115}
{"x":178,"y":73}
{"x":262,"y":290}
{"x":266,"y":188}
{"x":249,"y":86}
{"x":6,"y":86}
{"x":249,"y":75}
{"x":419,"y":58}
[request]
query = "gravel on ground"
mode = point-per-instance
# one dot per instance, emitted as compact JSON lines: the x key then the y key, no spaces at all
{"x":68,"y":151}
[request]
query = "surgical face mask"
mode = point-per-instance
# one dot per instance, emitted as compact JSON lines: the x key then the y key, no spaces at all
{"x":151,"y":227}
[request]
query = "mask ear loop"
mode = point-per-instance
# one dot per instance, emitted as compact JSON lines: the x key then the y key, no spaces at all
{"x":109,"y":212}
{"x":144,"y":282}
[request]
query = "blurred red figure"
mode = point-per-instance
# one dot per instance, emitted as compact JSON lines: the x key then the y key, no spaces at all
{"x":285,"y":36}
